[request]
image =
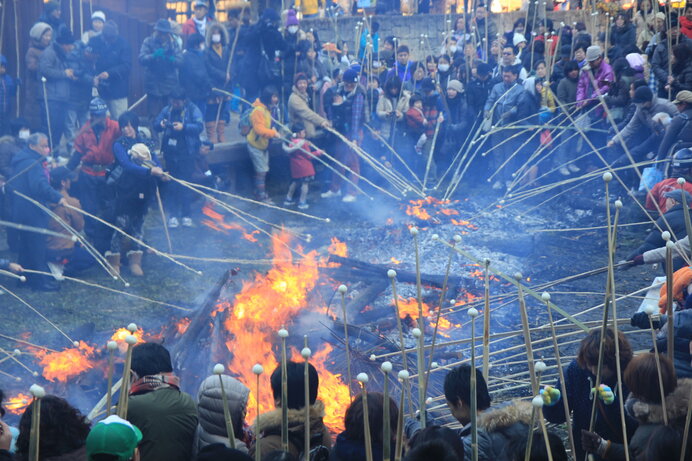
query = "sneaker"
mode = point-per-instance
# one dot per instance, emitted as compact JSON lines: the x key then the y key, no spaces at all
{"x":564,"y":171}
{"x":187,"y":222}
{"x":330,"y":193}
{"x":289,"y":202}
{"x":348,"y":198}
{"x":497,"y":185}
{"x":57,"y":270}
{"x":573,"y":168}
{"x":173,"y":223}
{"x":304,"y":206}
{"x":268,"y":201}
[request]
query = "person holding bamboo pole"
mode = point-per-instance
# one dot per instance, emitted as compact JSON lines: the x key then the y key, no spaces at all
{"x":670,"y":36}
{"x":579,"y":377}
{"x":350,"y":444}
{"x":268,"y":432}
{"x":166,"y":416}
{"x":212,"y":428}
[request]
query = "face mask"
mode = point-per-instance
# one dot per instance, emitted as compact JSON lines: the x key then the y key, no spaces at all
{"x":443,"y":67}
{"x":216,"y":38}
{"x":453,"y":49}
{"x":24,"y":134}
{"x":201,"y":47}
{"x":292,"y":29}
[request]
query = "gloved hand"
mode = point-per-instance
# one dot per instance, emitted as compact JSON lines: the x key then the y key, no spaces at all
{"x":638,"y":260}
{"x":550,"y":395}
{"x":605,"y":393}
{"x":594,"y":443}
{"x":159,"y":53}
{"x":640,"y":320}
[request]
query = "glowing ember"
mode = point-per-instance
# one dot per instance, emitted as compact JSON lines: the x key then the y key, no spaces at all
{"x":217,"y":221}
{"x":120,"y":335}
{"x":16,"y":405}
{"x":63,"y":365}
{"x":182,"y":325}
{"x":338,"y":248}
{"x":393,"y":260}
{"x":260,"y":309}
{"x":432,"y":209}
{"x":409,"y":306}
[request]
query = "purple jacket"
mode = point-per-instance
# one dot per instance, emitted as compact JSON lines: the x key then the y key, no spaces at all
{"x":585,"y":90}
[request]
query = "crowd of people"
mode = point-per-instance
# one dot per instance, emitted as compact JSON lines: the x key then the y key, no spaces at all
{"x":522,"y":95}
{"x":164,"y":422}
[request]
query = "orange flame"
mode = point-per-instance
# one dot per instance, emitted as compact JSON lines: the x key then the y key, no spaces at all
{"x":217,"y":222}
{"x":63,"y":365}
{"x":261,"y":308}
{"x":122,"y":333}
{"x":393,"y":260}
{"x":182,"y":325}
{"x":16,"y":405}
{"x":409,"y":306}
{"x":338,"y":248}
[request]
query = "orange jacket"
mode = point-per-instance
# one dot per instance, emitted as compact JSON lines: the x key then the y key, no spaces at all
{"x":681,"y":279}
{"x":262,"y":131}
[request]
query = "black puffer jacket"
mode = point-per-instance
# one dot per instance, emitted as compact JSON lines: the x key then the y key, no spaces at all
{"x":675,"y":217}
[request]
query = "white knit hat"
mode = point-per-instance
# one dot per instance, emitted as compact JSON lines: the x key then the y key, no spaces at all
{"x":99,"y":15}
{"x":518,"y":38}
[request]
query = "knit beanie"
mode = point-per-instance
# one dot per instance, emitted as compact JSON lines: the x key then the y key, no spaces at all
{"x":292,"y":19}
{"x":38,"y":29}
{"x":455,"y":85}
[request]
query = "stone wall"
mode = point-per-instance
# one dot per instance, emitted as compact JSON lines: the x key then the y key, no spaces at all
{"x":410,"y":28}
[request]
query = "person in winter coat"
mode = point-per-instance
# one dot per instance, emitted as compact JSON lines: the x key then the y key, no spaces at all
{"x":680,"y":129}
{"x":212,"y":424}
{"x":672,"y":220}
{"x":299,"y":110}
{"x":681,"y":167}
{"x":216,"y":56}
{"x":350,"y":444}
{"x":601,"y":73}
{"x":161,"y":57}
{"x":181,"y":124}
{"x":661,"y":54}
{"x":258,"y":139}
{"x":579,"y":383}
{"x":80,"y":91}
{"x":53,"y":66}
{"x":391,"y":108}
{"x":502,"y":106}
{"x":94,"y":148}
{"x":264,"y":46}
{"x":268,"y":427}
{"x":478,"y":88}
{"x":623,"y":35}
{"x":194,"y":78}
{"x":199,"y":21}
{"x":8,"y":90}
{"x":166,"y":416}
{"x":98,"y":21}
{"x":134,"y":179}
{"x":32,"y":180}
{"x":457,"y":125}
{"x":52,"y":15}
{"x":300,"y":161}
{"x":63,"y":431}
{"x":112,"y":67}
{"x":40,"y":37}
{"x":645,"y":406}
{"x":681,"y":78}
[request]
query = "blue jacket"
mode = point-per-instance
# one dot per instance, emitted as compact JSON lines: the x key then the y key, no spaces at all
{"x":504,"y":101}
{"x":31,"y":179}
{"x":193,"y":124}
{"x":578,"y":383}
{"x":8,"y":90}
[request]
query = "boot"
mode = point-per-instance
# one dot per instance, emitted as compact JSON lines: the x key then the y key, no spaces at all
{"x":221,"y":130}
{"x":211,"y":132}
{"x":134,"y":258}
{"x":114,"y":260}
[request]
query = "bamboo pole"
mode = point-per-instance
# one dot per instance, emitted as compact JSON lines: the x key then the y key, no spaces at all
{"x":45,"y":103}
{"x":131,"y":340}
{"x":34,"y":435}
{"x":527,"y":336}
{"x":386,"y":368}
{"x":163,"y":220}
{"x":342,"y":292}
{"x":363,"y":379}
{"x":230,"y":432}
{"x":473,"y":313}
{"x":257,"y":369}
{"x":669,"y":301}
{"x":421,"y":328}
{"x":111,"y":346}
{"x":486,"y":321}
{"x":399,"y":446}
{"x":306,"y":353}
{"x":658,"y":365}
{"x":283,"y":334}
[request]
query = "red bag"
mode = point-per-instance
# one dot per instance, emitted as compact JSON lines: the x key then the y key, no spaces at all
{"x":546,"y":138}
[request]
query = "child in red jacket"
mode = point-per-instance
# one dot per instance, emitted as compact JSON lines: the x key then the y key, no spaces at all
{"x":416,"y":122}
{"x":302,"y":171}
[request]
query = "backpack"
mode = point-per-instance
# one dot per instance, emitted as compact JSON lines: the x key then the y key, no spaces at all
{"x":244,"y":124}
{"x":318,"y":452}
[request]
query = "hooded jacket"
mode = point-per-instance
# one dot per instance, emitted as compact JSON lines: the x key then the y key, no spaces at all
{"x":215,"y":62}
{"x":299,"y":111}
{"x":675,"y":217}
{"x":194,"y":77}
{"x":161,"y":62}
{"x":650,"y":417}
{"x":269,"y":430}
{"x":32,"y":182}
{"x":212,"y":423}
{"x":262,"y":131}
{"x":659,"y":60}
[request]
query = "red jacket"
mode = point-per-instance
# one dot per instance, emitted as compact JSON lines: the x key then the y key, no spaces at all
{"x":97,"y":152}
{"x":301,"y":156}
{"x":656,"y":193}
{"x":686,"y":26}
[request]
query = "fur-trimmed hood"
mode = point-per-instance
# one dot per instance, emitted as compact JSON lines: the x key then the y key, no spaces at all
{"x":506,"y":415}
{"x":224,"y":34}
{"x":652,"y":413}
{"x":296,"y":419}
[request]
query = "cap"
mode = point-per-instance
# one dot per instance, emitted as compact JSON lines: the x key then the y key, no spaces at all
{"x":350,"y":76}
{"x":427,"y":84}
{"x":99,"y":15}
{"x":593,"y":52}
{"x":65,"y":36}
{"x":113,"y":436}
{"x":98,"y":106}
{"x":455,"y":85}
{"x":484,"y":69}
{"x":162,"y":25}
{"x":642,"y":94}
{"x":676,"y":194}
{"x":197,"y":3}
{"x":684,"y":96}
{"x":62,"y":173}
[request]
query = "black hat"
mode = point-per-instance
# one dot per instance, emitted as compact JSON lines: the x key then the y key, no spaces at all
{"x":483,"y":68}
{"x":64,"y":36}
{"x":642,"y":94}
{"x":297,"y":127}
{"x":163,"y":26}
{"x":427,"y":84}
{"x":565,"y":51}
{"x":676,"y":194}
{"x":60,"y":174}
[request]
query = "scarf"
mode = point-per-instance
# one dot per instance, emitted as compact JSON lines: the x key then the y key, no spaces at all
{"x":218,"y":49}
{"x":201,"y":25}
{"x":154,"y":382}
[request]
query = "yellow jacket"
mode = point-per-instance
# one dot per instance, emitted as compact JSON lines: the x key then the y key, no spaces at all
{"x":262,"y":131}
{"x":309,"y":6}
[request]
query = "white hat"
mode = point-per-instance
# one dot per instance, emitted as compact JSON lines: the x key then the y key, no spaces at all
{"x":99,"y":15}
{"x":518,"y":38}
